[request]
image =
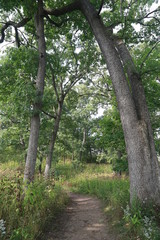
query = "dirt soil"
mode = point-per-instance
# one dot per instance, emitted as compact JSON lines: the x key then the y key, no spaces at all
{"x":83,"y":219}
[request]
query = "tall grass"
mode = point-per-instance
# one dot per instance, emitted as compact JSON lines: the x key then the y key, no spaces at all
{"x":113,"y":191}
{"x":24,"y":217}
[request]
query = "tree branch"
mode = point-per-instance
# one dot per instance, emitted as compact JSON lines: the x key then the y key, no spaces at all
{"x":54,"y":86}
{"x":48,"y":114}
{"x":141,"y":66}
{"x":23,"y":22}
{"x":17,"y":37}
{"x":55,"y":23}
{"x":101,"y":6}
{"x":61,"y":11}
{"x":156,"y":10}
{"x":73,"y":82}
{"x":13,"y":24}
{"x":75,"y":56}
{"x":61,"y":87}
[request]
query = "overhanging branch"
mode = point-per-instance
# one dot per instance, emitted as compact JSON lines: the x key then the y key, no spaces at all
{"x":148,"y":14}
{"x":61,"y":11}
{"x":55,"y":23}
{"x":13,"y":24}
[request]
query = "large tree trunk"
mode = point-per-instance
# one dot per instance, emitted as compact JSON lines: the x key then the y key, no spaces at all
{"x":143,"y":165}
{"x":138,"y":94}
{"x":35,"y":120}
{"x":53,"y":140}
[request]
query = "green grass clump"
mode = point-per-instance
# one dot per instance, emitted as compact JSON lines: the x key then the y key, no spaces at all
{"x":23,"y":217}
{"x":113,"y":191}
{"x":141,"y":220}
{"x":63,"y":172}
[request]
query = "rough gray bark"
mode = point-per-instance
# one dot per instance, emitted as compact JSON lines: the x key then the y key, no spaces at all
{"x":83,"y":143}
{"x":35,"y":120}
{"x":137,"y":91}
{"x":150,"y":161}
{"x":143,"y":169}
{"x":53,"y":139}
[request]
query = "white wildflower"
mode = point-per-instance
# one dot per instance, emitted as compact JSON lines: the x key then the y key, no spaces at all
{"x":2,"y":227}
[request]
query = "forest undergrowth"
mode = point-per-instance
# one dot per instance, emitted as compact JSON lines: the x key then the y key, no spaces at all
{"x":25,"y":218}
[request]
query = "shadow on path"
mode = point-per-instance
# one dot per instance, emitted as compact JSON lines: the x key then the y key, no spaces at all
{"x":83,"y":219}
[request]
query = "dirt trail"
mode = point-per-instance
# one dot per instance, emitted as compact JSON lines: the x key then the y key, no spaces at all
{"x":82,"y":220}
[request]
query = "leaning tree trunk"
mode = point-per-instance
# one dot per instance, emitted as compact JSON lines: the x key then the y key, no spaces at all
{"x":144,"y":176}
{"x":35,"y":120}
{"x":53,"y":140}
{"x":137,"y":93}
{"x":151,"y":164}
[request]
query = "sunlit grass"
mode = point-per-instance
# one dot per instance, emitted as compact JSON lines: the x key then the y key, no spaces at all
{"x":70,"y":171}
{"x":9,"y":165}
{"x":9,"y":168}
{"x":24,"y":217}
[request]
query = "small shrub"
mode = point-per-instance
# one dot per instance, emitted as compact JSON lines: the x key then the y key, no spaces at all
{"x":120,"y":165}
{"x":140,"y":219}
{"x":101,"y":158}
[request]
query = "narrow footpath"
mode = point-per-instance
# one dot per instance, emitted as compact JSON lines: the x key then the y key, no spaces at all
{"x":83,"y":219}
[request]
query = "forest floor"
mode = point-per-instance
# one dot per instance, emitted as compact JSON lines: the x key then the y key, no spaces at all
{"x":83,"y":219}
